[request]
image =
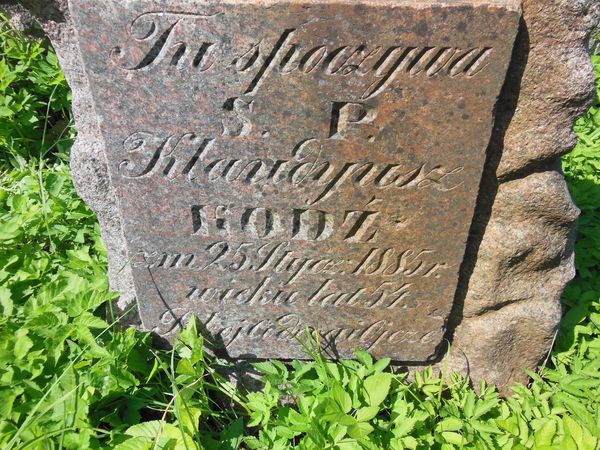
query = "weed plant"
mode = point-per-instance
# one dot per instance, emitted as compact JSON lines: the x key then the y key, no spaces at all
{"x":70,"y":380}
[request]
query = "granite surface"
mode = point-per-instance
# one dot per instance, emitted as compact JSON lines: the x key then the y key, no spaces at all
{"x":307,"y":164}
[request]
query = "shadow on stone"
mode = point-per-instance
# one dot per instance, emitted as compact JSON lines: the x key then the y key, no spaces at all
{"x":505,"y":110}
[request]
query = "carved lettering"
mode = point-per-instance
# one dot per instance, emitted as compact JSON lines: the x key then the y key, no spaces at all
{"x":186,"y":155}
{"x":345,"y":116}
{"x":295,"y":167}
{"x":167,"y":44}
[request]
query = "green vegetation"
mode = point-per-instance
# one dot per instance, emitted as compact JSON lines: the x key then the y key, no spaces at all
{"x":69,"y":379}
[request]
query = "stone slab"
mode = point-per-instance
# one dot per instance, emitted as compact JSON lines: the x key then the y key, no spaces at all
{"x":289,"y":164}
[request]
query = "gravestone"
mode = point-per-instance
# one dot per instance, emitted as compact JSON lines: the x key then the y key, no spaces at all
{"x":306,"y":164}
{"x":381,"y":172}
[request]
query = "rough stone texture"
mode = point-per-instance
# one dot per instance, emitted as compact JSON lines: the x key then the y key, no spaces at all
{"x":520,"y":250}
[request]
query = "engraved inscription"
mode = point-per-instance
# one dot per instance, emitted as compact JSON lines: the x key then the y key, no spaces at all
{"x":277,"y":257}
{"x":298,"y":224}
{"x":188,"y":156}
{"x":166,"y":43}
{"x":289,"y":327}
{"x":291,"y":166}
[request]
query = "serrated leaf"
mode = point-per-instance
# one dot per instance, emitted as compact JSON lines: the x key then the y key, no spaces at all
{"x":231,"y":437}
{"x":377,"y":388}
{"x":341,"y":398}
{"x":450,"y":424}
{"x":265,"y":367}
{"x":154,"y":429}
{"x":546,"y":433}
{"x":360,"y":430}
{"x":367,"y":413}
{"x":453,"y":438}
{"x":22,"y":343}
{"x":405,"y":426}
{"x":381,"y":365}
{"x":364,"y":357}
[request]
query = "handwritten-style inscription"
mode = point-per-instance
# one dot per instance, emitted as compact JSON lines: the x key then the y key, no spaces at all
{"x":293,"y":166}
{"x":189,"y":156}
{"x":166,"y":44}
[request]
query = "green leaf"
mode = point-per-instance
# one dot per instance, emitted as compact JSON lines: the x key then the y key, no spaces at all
{"x":367,"y":413}
{"x":188,"y":417}
{"x":360,"y":430}
{"x":377,"y":388}
{"x":266,"y":368}
{"x":6,"y":111}
{"x":364,"y":357}
{"x":22,"y":343}
{"x":451,"y":424}
{"x":154,"y":429}
{"x":190,"y":343}
{"x":6,"y":301}
{"x":231,"y":437}
{"x":380,"y":365}
{"x":135,"y":443}
{"x":546,"y":433}
{"x":10,"y":229}
{"x":185,"y":367}
{"x":405,"y":426}
{"x":453,"y":438}
{"x":342,"y":398}
{"x":568,"y":443}
{"x":580,"y":436}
